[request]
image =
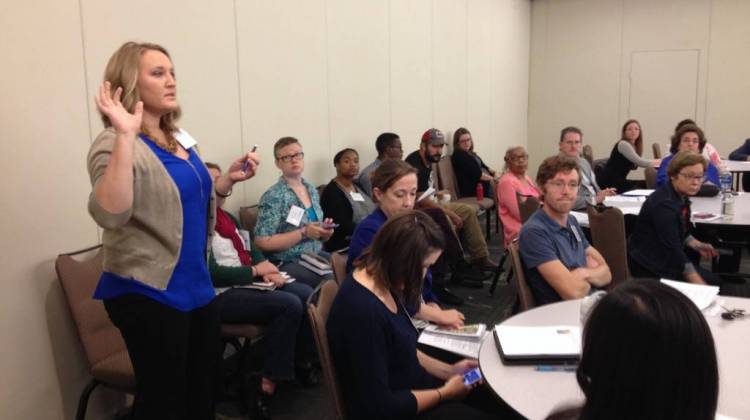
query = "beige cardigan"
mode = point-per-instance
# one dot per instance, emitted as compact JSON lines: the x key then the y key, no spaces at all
{"x":143,"y":242}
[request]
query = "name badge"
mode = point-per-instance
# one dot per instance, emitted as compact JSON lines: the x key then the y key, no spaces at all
{"x":186,"y":140}
{"x":356,"y":196}
{"x":295,"y":215}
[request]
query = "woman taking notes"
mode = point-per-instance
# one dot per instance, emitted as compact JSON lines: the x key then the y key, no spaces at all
{"x":155,"y":201}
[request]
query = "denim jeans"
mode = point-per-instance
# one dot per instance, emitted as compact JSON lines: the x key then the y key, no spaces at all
{"x":288,"y":335}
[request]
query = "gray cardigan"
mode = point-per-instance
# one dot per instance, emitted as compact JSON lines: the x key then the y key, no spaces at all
{"x":143,"y":242}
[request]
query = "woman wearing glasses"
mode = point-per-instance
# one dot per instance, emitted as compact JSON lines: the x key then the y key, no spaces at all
{"x":469,"y":168}
{"x":625,"y":156}
{"x":662,"y":244}
{"x":290,"y":219}
{"x":688,"y":137}
{"x":513,"y":181}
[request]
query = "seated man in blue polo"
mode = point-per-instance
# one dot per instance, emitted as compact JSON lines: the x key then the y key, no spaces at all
{"x":560,"y":264}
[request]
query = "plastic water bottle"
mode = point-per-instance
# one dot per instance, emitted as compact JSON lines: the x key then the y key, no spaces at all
{"x":727,"y":203}
{"x":480,"y":191}
{"x":725,"y":178}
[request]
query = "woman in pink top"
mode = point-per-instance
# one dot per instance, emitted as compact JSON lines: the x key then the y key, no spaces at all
{"x":513,"y":180}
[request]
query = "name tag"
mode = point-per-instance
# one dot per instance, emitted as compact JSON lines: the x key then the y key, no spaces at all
{"x":356,"y":196}
{"x":295,"y":215}
{"x":186,"y":140}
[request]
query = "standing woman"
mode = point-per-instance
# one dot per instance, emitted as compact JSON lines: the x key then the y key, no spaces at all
{"x":155,"y":201}
{"x":514,"y":181}
{"x":290,"y":220}
{"x":469,"y":167}
{"x":625,"y":156}
{"x":343,"y":201}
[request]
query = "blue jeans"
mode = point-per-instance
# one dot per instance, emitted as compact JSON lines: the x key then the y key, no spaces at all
{"x":288,"y":335}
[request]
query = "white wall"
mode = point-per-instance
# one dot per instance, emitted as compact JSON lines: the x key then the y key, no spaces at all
{"x":582,"y":58}
{"x":333,"y":73}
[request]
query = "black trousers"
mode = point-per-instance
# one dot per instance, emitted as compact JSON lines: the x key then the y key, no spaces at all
{"x":176,"y":356}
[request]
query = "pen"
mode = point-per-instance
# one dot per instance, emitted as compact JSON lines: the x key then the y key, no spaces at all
{"x":246,"y":166}
{"x":562,"y":368}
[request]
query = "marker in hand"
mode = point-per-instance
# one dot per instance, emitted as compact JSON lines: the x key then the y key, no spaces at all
{"x":246,"y":165}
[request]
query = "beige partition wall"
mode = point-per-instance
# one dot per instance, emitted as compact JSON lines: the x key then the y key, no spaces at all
{"x":334,"y":73}
{"x":598,"y":63}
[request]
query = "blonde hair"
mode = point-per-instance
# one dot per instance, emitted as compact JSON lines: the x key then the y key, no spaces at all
{"x":122,"y":71}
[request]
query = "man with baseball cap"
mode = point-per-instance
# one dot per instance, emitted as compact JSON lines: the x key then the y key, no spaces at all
{"x":463,"y":216}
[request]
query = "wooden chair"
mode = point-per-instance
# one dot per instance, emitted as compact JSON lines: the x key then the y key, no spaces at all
{"x":518,"y":280}
{"x":607,"y":226}
{"x":106,"y":353}
{"x":588,"y":154}
{"x":318,"y":312}
{"x":338,"y":262}
{"x":527,"y":205}
{"x":656,"y":149}
{"x":447,"y":181}
{"x":650,"y":175}
{"x":249,"y":218}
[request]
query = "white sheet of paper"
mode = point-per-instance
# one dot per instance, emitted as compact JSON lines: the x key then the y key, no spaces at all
{"x":550,"y":340}
{"x":623,"y":199}
{"x":295,"y":215}
{"x":700,"y":295}
{"x":463,"y":347}
{"x":638,"y":193}
{"x":429,"y":192}
{"x":581,"y":216}
{"x":356,"y":196}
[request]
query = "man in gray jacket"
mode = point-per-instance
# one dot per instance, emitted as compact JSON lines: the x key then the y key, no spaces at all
{"x":571,"y":143}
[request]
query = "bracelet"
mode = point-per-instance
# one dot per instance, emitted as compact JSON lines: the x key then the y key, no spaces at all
{"x":302,"y":232}
{"x":253,"y":271}
{"x":440,"y":395}
{"x":223,"y":195}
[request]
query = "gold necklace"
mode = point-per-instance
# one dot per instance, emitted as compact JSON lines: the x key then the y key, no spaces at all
{"x":171,"y":142}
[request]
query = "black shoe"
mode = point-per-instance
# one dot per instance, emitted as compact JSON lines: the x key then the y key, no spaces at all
{"x":470,"y":272}
{"x":447,"y":297}
{"x":262,"y":405}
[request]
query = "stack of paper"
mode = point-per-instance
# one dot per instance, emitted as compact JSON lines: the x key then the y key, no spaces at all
{"x":464,"y":341}
{"x":639,"y":193}
{"x":701,"y":295}
{"x":315,"y":263}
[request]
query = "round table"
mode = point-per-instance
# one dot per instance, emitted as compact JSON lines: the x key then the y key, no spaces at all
{"x":536,"y":394}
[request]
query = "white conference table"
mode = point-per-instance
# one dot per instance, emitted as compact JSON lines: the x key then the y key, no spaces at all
{"x":737,"y":167}
{"x":536,"y":394}
{"x":741,"y":217}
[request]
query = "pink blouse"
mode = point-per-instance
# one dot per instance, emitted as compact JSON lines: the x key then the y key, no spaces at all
{"x":507,"y":210}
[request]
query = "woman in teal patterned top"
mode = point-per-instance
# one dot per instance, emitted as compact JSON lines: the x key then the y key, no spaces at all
{"x":290,"y":219}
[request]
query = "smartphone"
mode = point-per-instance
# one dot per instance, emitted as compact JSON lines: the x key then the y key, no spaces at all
{"x":473,"y":376}
{"x":329,"y":225}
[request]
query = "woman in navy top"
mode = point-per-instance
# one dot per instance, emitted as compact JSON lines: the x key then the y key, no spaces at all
{"x":394,"y":188}
{"x":372,"y":341}
{"x":165,"y":311}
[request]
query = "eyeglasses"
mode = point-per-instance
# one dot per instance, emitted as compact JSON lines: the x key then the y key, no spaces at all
{"x":572,"y":143}
{"x":289,"y":158}
{"x":519,"y":158}
{"x":464,"y":141}
{"x":560,"y":185}
{"x":692,"y":177}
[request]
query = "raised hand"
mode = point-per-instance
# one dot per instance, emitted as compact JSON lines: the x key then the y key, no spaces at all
{"x":244,"y":167}
{"x":110,"y":105}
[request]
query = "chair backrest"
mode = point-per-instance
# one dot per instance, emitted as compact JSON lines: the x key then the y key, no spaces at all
{"x":249,"y":218}
{"x":100,"y":338}
{"x":607,"y":226}
{"x":650,"y":175}
{"x":338,"y":262}
{"x":447,"y":177}
{"x":588,"y":154}
{"x":598,"y":167}
{"x":525,"y":298}
{"x":527,"y":205}
{"x":656,"y":149}
{"x":318,"y":312}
